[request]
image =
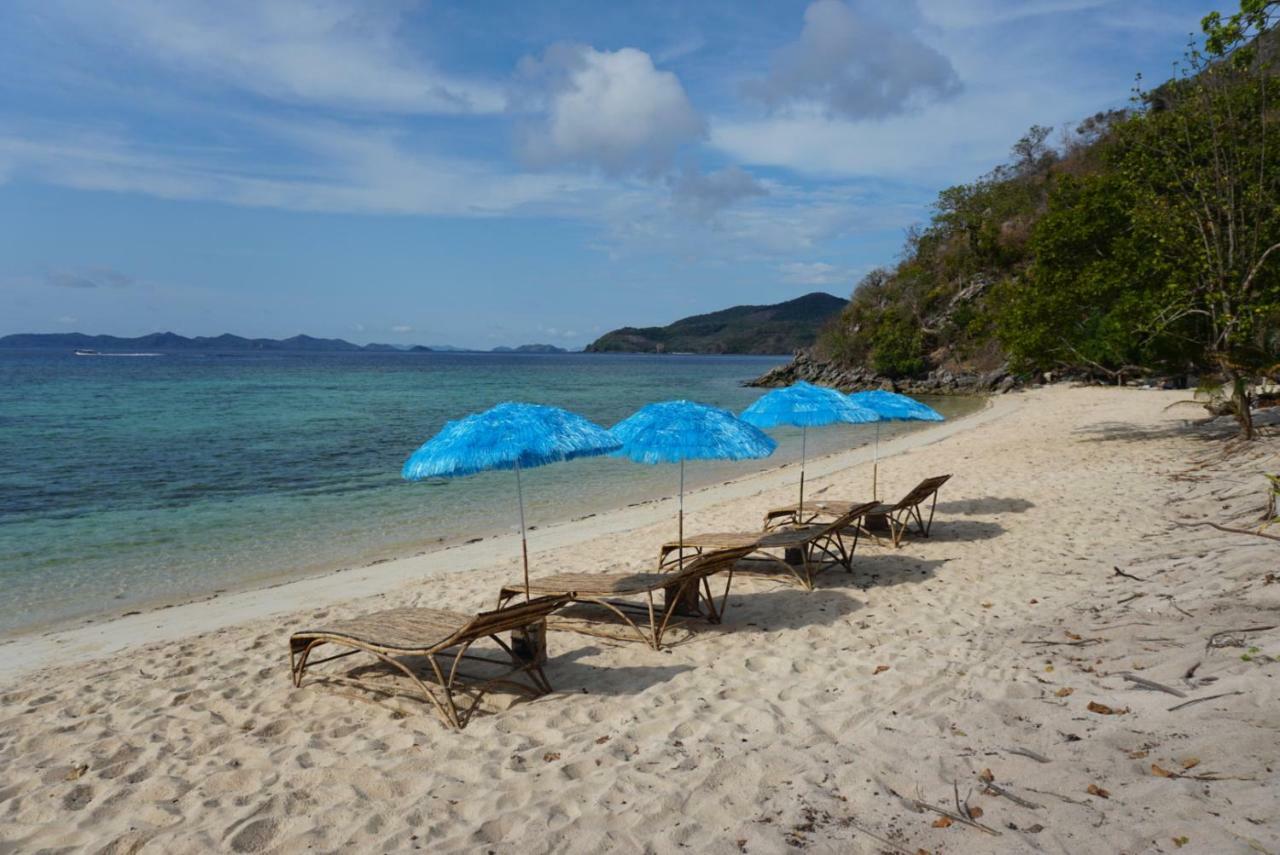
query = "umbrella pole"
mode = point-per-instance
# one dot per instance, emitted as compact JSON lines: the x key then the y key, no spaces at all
{"x":681,"y":515}
{"x":804,"y":432}
{"x":524,"y":543}
{"x":875,"y":467}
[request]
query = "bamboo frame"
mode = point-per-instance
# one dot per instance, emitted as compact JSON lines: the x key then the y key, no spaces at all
{"x":897,"y":517}
{"x":819,"y":546}
{"x":439,"y":636}
{"x":604,"y":590}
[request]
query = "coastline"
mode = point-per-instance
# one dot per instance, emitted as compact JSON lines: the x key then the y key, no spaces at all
{"x":1073,"y":632}
{"x":83,"y":639}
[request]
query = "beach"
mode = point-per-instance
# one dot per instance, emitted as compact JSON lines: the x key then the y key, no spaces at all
{"x":1065,"y":665}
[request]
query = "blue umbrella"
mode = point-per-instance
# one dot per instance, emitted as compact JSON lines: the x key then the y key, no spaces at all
{"x":892,"y":407}
{"x":804,"y":406}
{"x":676,"y":431}
{"x":508,"y":436}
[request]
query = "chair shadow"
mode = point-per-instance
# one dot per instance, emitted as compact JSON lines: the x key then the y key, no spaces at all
{"x":1205,"y":430}
{"x":986,"y":505}
{"x":942,"y":531}
{"x":884,"y":569}
{"x":568,"y":674}
{"x":790,"y":607}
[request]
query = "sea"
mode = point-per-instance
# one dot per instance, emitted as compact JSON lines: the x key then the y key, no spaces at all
{"x":129,"y":482}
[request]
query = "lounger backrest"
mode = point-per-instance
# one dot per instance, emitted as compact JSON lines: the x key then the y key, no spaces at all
{"x":713,"y":562}
{"x":514,"y":616}
{"x":848,"y":517}
{"x":922,"y":491}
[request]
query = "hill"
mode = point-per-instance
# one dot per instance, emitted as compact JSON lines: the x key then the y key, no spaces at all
{"x":167,"y":341}
{"x":780,"y":328}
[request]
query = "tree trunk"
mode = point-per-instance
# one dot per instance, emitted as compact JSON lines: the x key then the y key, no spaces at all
{"x":1242,"y":404}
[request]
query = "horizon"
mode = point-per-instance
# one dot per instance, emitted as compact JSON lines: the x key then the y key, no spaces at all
{"x":509,"y":175}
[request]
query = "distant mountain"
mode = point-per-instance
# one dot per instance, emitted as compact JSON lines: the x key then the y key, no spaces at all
{"x":780,"y":328}
{"x":168,"y":341}
{"x":530,"y":348}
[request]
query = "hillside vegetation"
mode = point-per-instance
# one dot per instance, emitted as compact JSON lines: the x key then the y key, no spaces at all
{"x":780,"y":328}
{"x":1144,"y":241}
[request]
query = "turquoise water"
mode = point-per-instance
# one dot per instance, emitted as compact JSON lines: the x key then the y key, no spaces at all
{"x":132,"y":481}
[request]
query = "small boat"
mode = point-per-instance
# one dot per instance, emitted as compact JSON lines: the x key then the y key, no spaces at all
{"x":80,"y":351}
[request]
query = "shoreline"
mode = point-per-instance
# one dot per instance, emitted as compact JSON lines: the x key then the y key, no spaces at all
{"x":81,"y":639}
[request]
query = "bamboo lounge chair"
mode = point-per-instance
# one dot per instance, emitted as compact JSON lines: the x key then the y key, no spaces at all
{"x":896,"y":518}
{"x":436,"y":635}
{"x":807,"y":549}
{"x":684,"y":593}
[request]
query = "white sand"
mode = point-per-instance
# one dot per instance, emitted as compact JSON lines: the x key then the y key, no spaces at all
{"x":770,"y":732}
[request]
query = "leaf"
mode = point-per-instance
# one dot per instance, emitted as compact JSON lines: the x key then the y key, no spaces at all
{"x":1072,"y":635}
{"x":1161,"y":771}
{"x":942,"y":822}
{"x":1095,"y":790}
{"x":1064,"y":692}
{"x":985,"y":775}
{"x":601,"y":740}
{"x":76,"y":771}
{"x":879,"y":670}
{"x":1190,"y":763}
{"x":1137,"y":755}
{"x":975,"y":812}
{"x":987,"y":605}
{"x":1103,"y":709}
{"x":1181,"y":841}
{"x":550,"y":756}
{"x":1048,"y":669}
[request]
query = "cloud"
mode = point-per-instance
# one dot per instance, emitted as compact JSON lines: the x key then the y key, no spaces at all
{"x":608,"y":109}
{"x":705,"y":194}
{"x":850,"y":62}
{"x":962,"y":14}
{"x":68,"y":320}
{"x":401,"y":329}
{"x":815,"y":273}
{"x":329,"y":52}
{"x":97,"y":277}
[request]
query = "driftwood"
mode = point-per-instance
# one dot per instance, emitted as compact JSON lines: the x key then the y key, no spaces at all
{"x":1082,"y":642}
{"x":993,"y":787}
{"x":1039,"y":758}
{"x":1231,"y":530}
{"x":1120,"y":572}
{"x":1152,"y":684}
{"x":1199,"y":700}
{"x":1223,"y":637}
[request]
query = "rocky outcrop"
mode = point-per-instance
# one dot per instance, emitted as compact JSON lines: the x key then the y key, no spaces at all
{"x":937,"y":382}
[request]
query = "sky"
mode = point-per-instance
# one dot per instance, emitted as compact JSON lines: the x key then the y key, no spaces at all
{"x":478,"y":174}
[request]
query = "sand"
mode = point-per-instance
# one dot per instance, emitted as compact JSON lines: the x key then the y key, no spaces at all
{"x":819,"y":719}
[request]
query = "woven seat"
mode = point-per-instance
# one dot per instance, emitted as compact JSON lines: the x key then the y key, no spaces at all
{"x":897,"y":517}
{"x":810,"y":548}
{"x":394,"y":634}
{"x":686,"y":592}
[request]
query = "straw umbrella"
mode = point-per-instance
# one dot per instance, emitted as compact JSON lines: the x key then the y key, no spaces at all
{"x":804,"y":405}
{"x":676,"y":431}
{"x":509,"y":436}
{"x":891,"y":407}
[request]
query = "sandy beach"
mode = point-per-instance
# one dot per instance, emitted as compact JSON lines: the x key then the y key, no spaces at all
{"x":1066,"y":665}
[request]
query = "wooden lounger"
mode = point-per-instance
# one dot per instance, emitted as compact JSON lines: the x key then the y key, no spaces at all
{"x":394,"y":634}
{"x":897,"y":518}
{"x":807,"y":549}
{"x":685,"y":593}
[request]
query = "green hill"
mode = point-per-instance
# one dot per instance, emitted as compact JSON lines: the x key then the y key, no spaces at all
{"x":780,"y":328}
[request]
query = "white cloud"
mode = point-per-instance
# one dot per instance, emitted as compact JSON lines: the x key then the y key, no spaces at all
{"x":401,"y":329}
{"x":815,"y":273}
{"x":851,"y":62}
{"x":332,"y":52}
{"x":608,"y":109}
{"x":68,"y":319}
{"x":327,"y":168}
{"x":982,"y":13}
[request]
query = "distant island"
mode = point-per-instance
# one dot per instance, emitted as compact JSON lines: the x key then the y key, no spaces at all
{"x":780,"y":328}
{"x":163,"y":342}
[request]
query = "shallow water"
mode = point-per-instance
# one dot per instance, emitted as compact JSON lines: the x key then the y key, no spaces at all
{"x":134,"y":481}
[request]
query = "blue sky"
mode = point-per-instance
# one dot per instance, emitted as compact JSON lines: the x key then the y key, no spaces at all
{"x":502,"y":173}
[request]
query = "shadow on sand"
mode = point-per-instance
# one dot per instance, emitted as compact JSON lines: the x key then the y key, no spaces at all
{"x":986,"y":505}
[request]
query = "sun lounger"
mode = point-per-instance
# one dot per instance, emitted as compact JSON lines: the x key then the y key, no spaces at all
{"x":807,"y":549}
{"x":394,"y":634}
{"x":686,"y":592}
{"x":897,"y":518}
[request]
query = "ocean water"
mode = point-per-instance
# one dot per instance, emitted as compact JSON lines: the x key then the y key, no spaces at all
{"x":127,"y":482}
